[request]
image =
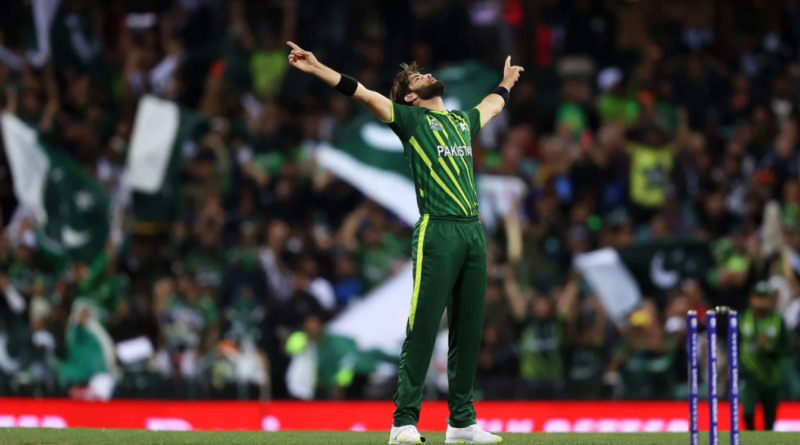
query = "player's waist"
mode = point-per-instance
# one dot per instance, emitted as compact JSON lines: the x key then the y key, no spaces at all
{"x":450,"y":218}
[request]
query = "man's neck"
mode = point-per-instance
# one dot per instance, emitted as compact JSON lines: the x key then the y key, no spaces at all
{"x":435,"y":104}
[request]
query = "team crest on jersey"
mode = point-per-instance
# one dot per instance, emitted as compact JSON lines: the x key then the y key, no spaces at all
{"x":435,"y":125}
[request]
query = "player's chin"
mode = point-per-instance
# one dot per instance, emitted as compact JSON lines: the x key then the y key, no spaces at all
{"x":439,"y":89}
{"x":436,"y":89}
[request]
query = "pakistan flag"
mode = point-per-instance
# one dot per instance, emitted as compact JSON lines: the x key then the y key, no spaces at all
{"x":155,"y":162}
{"x":622,"y":277}
{"x":70,"y":205}
{"x":368,"y":155}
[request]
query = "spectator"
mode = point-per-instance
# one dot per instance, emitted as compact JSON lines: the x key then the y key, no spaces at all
{"x":189,"y":321}
{"x":244,"y":255}
{"x":245,"y":316}
{"x":542,"y":325}
{"x":90,"y":351}
{"x":301,"y":304}
{"x":206,"y":262}
{"x":379,"y":252}
{"x":645,"y":359}
{"x":268,"y":64}
{"x":318,"y":287}
{"x":349,"y":284}
{"x":766,"y":345}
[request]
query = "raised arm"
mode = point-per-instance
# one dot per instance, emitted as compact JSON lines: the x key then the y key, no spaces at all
{"x":305,"y":61}
{"x":494,"y":103}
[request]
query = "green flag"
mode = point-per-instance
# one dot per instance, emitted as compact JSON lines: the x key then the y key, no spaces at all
{"x":622,"y":277}
{"x":70,"y":205}
{"x":659,"y":266}
{"x":155,"y":162}
{"x":71,"y":40}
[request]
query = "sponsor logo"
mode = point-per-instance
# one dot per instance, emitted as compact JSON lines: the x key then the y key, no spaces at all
{"x":159,"y":424}
{"x":30,"y":421}
{"x":612,"y":425}
{"x":787,"y":425}
{"x":270,"y":423}
{"x":507,"y":426}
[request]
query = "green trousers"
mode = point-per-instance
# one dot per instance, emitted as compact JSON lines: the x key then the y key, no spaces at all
{"x":449,"y":258}
{"x":753,"y":393}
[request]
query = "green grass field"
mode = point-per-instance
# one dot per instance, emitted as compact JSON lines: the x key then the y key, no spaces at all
{"x":19,"y":436}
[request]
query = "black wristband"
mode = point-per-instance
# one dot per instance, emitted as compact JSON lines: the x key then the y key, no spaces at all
{"x":347,"y":86}
{"x":502,"y":92}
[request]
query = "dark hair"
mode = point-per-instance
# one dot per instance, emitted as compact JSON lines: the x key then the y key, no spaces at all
{"x":402,"y":83}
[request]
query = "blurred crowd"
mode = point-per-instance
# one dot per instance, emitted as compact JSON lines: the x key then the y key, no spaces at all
{"x":636,"y":121}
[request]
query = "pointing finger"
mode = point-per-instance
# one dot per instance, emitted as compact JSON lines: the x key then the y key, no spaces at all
{"x":508,"y":62}
{"x":296,"y":48}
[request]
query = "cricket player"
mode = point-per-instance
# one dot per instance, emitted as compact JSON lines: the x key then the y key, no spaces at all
{"x":764,"y":344}
{"x":448,"y":248}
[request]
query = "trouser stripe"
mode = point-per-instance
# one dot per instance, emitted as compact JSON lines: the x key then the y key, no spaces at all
{"x":418,"y":270}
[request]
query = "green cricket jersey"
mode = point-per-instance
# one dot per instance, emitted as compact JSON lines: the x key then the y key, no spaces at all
{"x":763,"y":362}
{"x":438,"y":146}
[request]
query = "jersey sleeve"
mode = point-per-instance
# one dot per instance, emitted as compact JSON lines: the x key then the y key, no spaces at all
{"x":403,"y":121}
{"x":474,"y":120}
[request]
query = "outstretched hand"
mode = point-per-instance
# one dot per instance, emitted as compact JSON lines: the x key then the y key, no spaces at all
{"x":302,"y":59}
{"x":511,"y":74}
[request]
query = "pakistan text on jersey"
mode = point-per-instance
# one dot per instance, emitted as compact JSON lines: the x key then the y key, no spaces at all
{"x":459,"y":150}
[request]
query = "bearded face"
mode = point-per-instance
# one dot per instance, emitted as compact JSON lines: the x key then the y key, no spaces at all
{"x":427,"y":92}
